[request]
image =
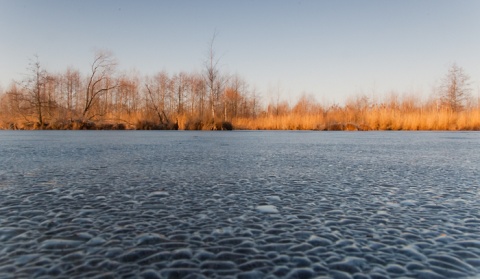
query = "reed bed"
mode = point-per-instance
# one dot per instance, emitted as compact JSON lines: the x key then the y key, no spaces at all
{"x":374,"y":119}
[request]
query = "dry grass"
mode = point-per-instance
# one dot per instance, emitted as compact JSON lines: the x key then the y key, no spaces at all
{"x":374,"y":119}
{"x":282,"y":122}
{"x":335,"y":119}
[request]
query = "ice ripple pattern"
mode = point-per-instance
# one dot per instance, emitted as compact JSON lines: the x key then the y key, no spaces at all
{"x":141,"y":220}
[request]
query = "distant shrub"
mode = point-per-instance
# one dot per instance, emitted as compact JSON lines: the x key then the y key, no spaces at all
{"x":80,"y":125}
{"x":221,"y":125}
{"x":227,"y":126}
{"x":120,"y":126}
{"x":89,"y":125}
{"x":146,"y":125}
{"x":172,"y":126}
{"x":106,"y":126}
{"x":150,"y":125}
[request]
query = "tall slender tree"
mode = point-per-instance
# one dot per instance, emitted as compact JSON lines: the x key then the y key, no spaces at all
{"x":455,"y":88}
{"x":34,"y":86}
{"x":212,"y":77}
{"x":72,"y":82}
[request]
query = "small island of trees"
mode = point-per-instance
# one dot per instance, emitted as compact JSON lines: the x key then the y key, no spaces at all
{"x":102,"y":98}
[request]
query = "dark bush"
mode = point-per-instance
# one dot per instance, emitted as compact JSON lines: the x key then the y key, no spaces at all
{"x":150,"y":125}
{"x":120,"y":126}
{"x":227,"y":126}
{"x":105,"y":126}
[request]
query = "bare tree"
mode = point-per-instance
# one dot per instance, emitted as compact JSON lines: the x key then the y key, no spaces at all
{"x":125,"y":98}
{"x":254,"y":103}
{"x":34,"y":86}
{"x":51,"y":91}
{"x":180,"y":83}
{"x":162,"y":116}
{"x":14,"y":104}
{"x":198,"y":92}
{"x":159,"y":97}
{"x":275,"y":105}
{"x":234,"y":97}
{"x":212,"y":77}
{"x":99,"y":81}
{"x":71,"y":87}
{"x":455,"y":88}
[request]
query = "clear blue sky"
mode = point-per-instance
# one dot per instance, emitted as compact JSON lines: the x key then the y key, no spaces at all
{"x":331,"y":49}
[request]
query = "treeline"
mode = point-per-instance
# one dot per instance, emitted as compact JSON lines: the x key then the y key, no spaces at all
{"x":104,"y":99}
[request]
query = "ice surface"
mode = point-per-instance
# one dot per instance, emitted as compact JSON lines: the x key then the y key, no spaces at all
{"x":408,"y":203}
{"x":239,"y":205}
{"x":158,"y":194}
{"x":273,"y":198}
{"x":267,"y":209}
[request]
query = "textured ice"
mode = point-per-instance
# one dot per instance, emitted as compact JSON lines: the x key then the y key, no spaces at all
{"x":60,"y":244}
{"x":158,"y":194}
{"x":8,"y":232}
{"x":273,"y":198}
{"x":408,"y":203}
{"x":267,"y":209}
{"x":239,"y":205}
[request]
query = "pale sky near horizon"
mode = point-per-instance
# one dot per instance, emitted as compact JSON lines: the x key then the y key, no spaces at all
{"x":329,"y":49}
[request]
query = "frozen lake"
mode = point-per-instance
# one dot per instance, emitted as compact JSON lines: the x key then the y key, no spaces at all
{"x":241,"y":204}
